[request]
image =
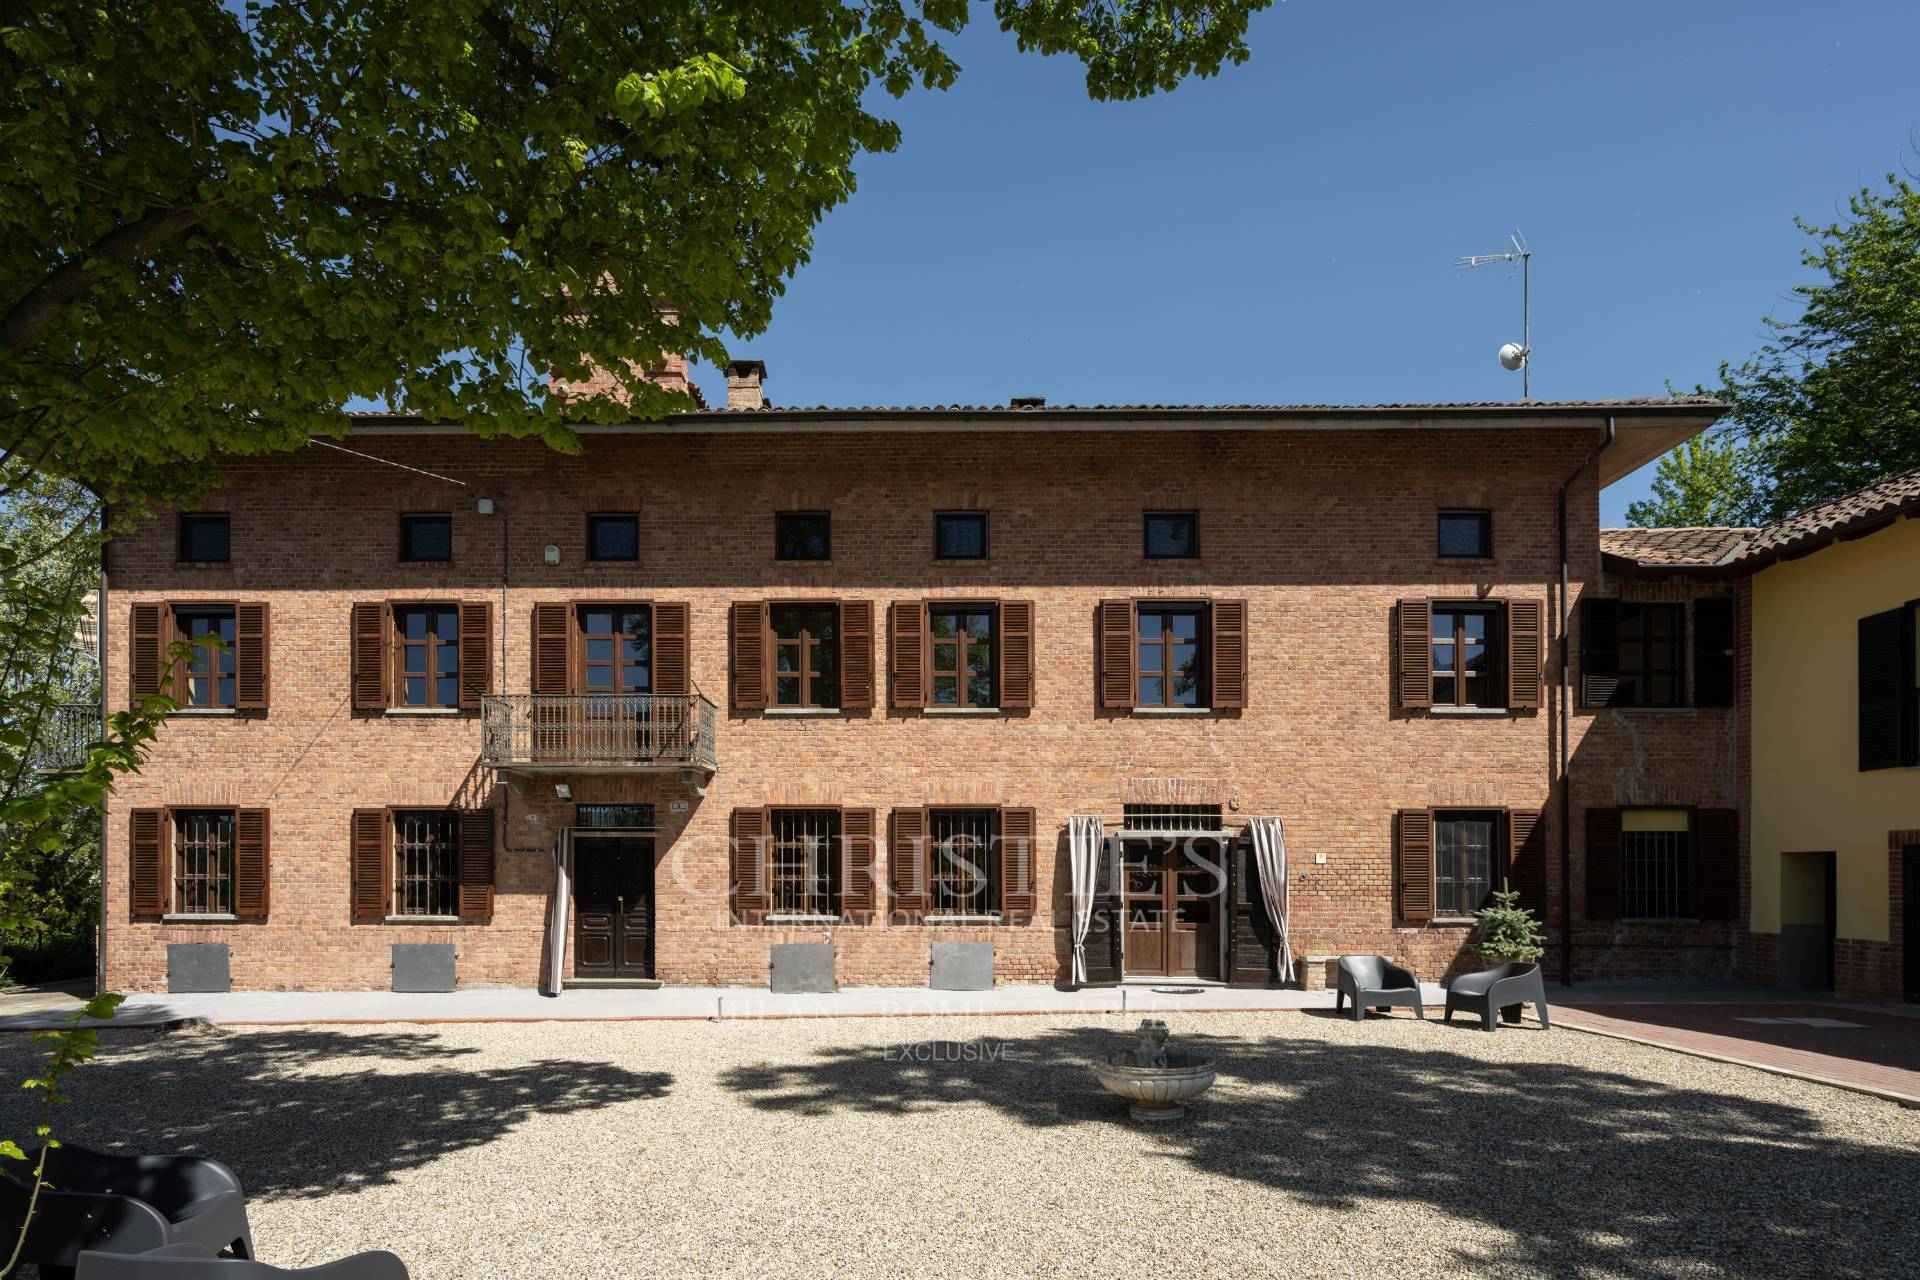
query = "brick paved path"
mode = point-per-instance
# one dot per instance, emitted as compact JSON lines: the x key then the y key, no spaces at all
{"x":1836,"y":1043}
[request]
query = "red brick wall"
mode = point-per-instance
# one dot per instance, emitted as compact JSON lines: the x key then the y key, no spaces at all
{"x":1320,"y":531}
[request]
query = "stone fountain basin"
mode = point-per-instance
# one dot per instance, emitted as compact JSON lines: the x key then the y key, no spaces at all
{"x":1157,"y":1093}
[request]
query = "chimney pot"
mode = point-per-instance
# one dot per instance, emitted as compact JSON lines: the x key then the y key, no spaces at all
{"x":744,"y":389}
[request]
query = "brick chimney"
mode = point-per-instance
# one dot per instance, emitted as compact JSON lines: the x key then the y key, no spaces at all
{"x":744,"y":379}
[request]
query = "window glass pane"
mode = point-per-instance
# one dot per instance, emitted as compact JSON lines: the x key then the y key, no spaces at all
{"x":801,"y":535}
{"x":225,"y":624}
{"x":413,"y":624}
{"x":1150,"y":657}
{"x":426,"y":537}
{"x":1152,"y":691}
{"x":599,"y":677}
{"x":943,"y":625}
{"x":446,"y":625}
{"x":416,"y":658}
{"x":1186,"y":681}
{"x":786,"y":690}
{"x":946,"y":691}
{"x":449,"y":660}
{"x":613,"y":537}
{"x":826,"y":690}
{"x":599,"y":649}
{"x":1185,"y":626}
{"x":960,"y":536}
{"x":636,"y":677}
{"x":979,"y":657}
{"x":786,"y":657}
{"x":980,"y":625}
{"x":1443,"y":658}
{"x":1172,"y":535}
{"x":416,"y":691}
{"x":226,"y":691}
{"x":204,"y":539}
{"x":980,"y":691}
{"x":1466,"y":534}
{"x":447,"y":691}
{"x":946,"y":656}
{"x":1444,"y":691}
{"x":1149,"y":626}
{"x":597,"y":622}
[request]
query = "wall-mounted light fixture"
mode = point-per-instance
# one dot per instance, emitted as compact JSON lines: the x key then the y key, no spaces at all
{"x":562,"y":791}
{"x":552,"y":554}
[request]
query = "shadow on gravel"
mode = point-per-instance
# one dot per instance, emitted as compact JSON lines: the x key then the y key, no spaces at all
{"x":305,"y":1110}
{"x":1593,"y":1172}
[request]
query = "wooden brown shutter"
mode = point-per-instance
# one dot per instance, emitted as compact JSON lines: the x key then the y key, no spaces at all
{"x":476,"y":654}
{"x":1413,"y":856}
{"x":747,"y":634}
{"x":856,"y":655}
{"x":372,"y":628}
{"x":1884,"y":678}
{"x":1017,"y":889}
{"x":372,"y":865}
{"x":147,"y":831}
{"x":1229,"y":653}
{"x":1527,"y":859}
{"x":747,"y":864}
{"x":146,"y":649}
{"x":1016,"y":654}
{"x":907,"y":653}
{"x":1415,"y":629}
{"x":1715,"y":662}
{"x":1526,"y":654}
{"x":1716,"y":864}
{"x":1116,"y":653}
{"x":476,"y":865}
{"x":1599,"y":651}
{"x":252,"y":864}
{"x":1603,"y":864}
{"x":907,"y":861}
{"x":672,"y":659}
{"x":552,"y":649}
{"x":252,"y":656}
{"x":859,"y":855}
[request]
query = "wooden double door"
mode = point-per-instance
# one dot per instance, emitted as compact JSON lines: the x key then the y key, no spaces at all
{"x":1174,"y":893}
{"x":613,"y":907}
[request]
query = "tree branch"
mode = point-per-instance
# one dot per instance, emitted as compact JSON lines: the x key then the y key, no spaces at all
{"x":23,"y":323}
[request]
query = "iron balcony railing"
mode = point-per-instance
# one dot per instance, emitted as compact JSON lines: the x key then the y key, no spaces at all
{"x":61,"y":740}
{"x":635,"y":731}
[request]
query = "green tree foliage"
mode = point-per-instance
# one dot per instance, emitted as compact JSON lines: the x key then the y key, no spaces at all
{"x":1507,"y":931}
{"x":220,"y":222}
{"x":1831,"y":401}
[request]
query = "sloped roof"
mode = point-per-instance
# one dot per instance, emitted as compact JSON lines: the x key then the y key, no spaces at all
{"x":1742,"y":550}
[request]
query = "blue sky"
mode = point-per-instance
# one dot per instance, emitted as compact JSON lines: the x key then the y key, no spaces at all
{"x":1285,"y":231}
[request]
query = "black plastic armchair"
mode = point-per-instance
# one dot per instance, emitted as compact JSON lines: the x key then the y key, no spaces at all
{"x":197,"y":1262}
{"x":1507,"y":987}
{"x":1375,"y":982}
{"x":122,"y":1204}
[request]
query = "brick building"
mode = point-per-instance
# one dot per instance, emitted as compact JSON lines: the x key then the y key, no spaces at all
{"x":757,"y":675}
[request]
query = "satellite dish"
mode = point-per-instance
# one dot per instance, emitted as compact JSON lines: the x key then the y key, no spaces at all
{"x":1513,"y":356}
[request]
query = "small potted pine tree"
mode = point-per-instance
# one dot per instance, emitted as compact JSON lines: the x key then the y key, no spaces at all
{"x":1507,"y":933}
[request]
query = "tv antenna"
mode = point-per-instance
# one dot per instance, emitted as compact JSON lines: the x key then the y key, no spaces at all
{"x":1514,"y":355}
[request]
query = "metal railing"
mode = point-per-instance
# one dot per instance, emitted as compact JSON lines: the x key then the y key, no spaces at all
{"x":535,"y":730}
{"x":61,"y":740}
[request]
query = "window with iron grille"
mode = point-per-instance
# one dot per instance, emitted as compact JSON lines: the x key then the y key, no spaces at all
{"x":203,"y":862}
{"x":205,"y":539}
{"x":1651,"y":644}
{"x":1464,"y":845}
{"x":803,"y":871}
{"x":428,"y":640}
{"x":964,"y":861}
{"x":426,"y":863}
{"x":209,"y":674}
{"x":806,"y":655}
{"x":1171,"y":817}
{"x":1656,"y":864}
{"x":1468,"y":649}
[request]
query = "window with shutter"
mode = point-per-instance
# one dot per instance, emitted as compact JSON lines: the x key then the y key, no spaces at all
{"x":1526,"y":654}
{"x":672,"y":656}
{"x":1414,"y":622}
{"x":476,"y":653}
{"x":1717,"y":864}
{"x":1466,"y":655}
{"x":962,"y":656}
{"x":859,"y":895}
{"x":206,"y":678}
{"x":1599,"y":651}
{"x":1603,"y":864}
{"x":1715,"y":664}
{"x":856,"y":655}
{"x":201,"y":859}
{"x":146,"y":649}
{"x":747,"y":865}
{"x":1526,"y":870}
{"x":372,"y":623}
{"x":427,"y":645}
{"x":1466,"y":848}
{"x":1413,"y":857}
{"x":1229,"y":628}
{"x":907,"y":862}
{"x":553,"y":649}
{"x":1018,"y":892}
{"x":906,"y":653}
{"x":252,"y":655}
{"x":252,"y":865}
{"x":748,"y":637}
{"x":1887,"y":697}
{"x":370,"y":842}
{"x":1116,"y":653}
{"x":148,"y":831}
{"x":1016,"y":654}
{"x":476,"y":865}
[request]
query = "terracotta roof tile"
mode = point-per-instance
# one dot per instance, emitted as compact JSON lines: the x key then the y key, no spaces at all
{"x":1688,"y":545}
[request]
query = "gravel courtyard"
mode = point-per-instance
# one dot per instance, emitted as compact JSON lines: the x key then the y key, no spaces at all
{"x":982,"y":1147}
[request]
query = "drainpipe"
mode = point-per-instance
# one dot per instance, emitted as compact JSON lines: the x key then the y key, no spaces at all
{"x":1565,"y":697}
{"x":100,"y":666}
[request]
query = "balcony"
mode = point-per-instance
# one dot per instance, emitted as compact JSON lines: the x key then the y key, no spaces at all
{"x":550,"y":733}
{"x":61,"y":740}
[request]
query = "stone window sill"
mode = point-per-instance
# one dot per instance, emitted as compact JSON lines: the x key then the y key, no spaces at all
{"x":1453,"y":921}
{"x":423,"y":711}
{"x":1469,"y":712}
{"x":973,"y":920}
{"x":203,"y":711}
{"x":960,"y":711}
{"x":203,"y":565}
{"x":199,"y":919}
{"x":803,"y":712}
{"x":1173,"y":711}
{"x":1656,"y":711}
{"x":800,"y":919}
{"x":1659,"y":920}
{"x":421,"y":920}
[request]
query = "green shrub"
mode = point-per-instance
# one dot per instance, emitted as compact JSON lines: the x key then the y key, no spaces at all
{"x":1507,"y":931}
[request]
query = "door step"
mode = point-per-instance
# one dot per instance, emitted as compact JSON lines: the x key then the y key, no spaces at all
{"x":612,"y":984}
{"x":1150,"y":981}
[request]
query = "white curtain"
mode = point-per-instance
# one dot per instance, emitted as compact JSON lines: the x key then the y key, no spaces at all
{"x":1084,"y":838}
{"x":557,"y":911}
{"x":1270,"y":857}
